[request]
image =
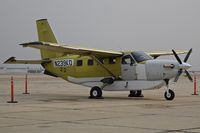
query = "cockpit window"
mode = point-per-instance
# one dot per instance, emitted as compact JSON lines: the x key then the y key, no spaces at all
{"x":141,"y":56}
{"x":127,"y":59}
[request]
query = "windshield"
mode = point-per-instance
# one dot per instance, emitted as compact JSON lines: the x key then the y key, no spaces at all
{"x":141,"y":56}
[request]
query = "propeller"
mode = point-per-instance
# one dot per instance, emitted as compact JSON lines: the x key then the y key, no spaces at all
{"x":183,"y":65}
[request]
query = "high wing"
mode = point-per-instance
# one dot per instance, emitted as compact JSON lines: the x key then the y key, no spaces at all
{"x":65,"y":49}
{"x":12,"y":60}
{"x":157,"y":54}
{"x":71,"y":50}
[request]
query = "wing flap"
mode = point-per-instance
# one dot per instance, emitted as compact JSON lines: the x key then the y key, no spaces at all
{"x":12,"y":60}
{"x":71,"y":50}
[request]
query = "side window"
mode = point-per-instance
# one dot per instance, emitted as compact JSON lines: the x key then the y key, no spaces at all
{"x":127,"y":59}
{"x":112,"y":60}
{"x":79,"y":63}
{"x":90,"y":62}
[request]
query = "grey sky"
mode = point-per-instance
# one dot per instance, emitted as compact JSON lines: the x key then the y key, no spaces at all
{"x":149,"y":25}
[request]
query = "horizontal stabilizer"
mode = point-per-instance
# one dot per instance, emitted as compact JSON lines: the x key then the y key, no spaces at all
{"x":12,"y":60}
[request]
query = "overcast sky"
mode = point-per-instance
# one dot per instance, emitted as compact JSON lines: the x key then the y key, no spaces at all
{"x":149,"y":25}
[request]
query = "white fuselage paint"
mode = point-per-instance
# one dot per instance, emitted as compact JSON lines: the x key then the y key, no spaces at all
{"x":134,"y":85}
{"x":141,"y":72}
{"x":84,"y":80}
{"x":119,"y":85}
{"x":129,"y":71}
{"x":155,"y":69}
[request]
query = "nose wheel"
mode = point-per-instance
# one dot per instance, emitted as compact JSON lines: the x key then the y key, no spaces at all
{"x":169,"y":95}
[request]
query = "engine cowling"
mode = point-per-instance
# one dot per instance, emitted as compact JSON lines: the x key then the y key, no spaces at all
{"x":161,"y":69}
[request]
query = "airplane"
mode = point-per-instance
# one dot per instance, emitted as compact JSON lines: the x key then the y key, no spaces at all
{"x":102,"y":70}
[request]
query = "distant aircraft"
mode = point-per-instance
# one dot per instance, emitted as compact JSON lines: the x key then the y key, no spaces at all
{"x":132,"y":71}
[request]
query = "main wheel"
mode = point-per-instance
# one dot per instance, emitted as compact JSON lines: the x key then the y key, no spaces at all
{"x":95,"y":92}
{"x":135,"y":93}
{"x":169,"y":95}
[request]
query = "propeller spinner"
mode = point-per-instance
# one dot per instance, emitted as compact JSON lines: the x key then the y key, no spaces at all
{"x":183,"y":66}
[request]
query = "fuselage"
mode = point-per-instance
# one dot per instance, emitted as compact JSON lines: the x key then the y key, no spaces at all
{"x":133,"y":67}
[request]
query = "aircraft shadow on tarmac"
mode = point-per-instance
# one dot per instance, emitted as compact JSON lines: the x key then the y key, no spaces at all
{"x":65,"y":97}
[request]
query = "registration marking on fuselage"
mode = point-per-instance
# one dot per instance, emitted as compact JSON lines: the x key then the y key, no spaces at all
{"x":64,"y":63}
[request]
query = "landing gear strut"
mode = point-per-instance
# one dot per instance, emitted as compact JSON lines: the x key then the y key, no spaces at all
{"x":169,"y":94}
{"x":135,"y":93}
{"x":96,"y":93}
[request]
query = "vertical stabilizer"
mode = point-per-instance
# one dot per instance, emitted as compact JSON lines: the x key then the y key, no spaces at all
{"x":45,"y":34}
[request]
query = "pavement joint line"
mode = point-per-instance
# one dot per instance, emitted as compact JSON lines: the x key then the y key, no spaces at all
{"x":181,"y":130}
{"x":53,"y":109}
{"x":61,"y":121}
{"x":80,"y":122}
{"x":105,"y":118}
{"x":86,"y":119}
{"x":75,"y":122}
{"x":108,"y":125}
{"x":84,"y":108}
{"x":61,"y":109}
{"x":20,"y":125}
{"x":21,"y":118}
{"x":95,"y":107}
{"x":19,"y":112}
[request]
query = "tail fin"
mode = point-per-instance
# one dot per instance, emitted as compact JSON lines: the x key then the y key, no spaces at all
{"x":45,"y":34}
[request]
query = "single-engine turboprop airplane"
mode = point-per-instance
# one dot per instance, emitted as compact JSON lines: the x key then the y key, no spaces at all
{"x":132,"y":71}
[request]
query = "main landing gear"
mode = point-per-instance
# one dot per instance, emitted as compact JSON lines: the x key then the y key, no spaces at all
{"x":169,"y":94}
{"x":135,"y":93}
{"x":96,"y":93}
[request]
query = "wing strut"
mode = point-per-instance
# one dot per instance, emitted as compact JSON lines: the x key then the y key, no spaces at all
{"x":103,"y":66}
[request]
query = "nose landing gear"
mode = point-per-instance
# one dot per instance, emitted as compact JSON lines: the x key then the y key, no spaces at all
{"x":169,"y":94}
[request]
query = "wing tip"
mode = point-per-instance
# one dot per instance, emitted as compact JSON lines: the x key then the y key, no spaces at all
{"x":31,"y":43}
{"x":43,"y":19}
{"x":10,"y":60}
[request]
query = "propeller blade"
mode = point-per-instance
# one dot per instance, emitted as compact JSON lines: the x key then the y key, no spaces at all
{"x":188,"y":55}
{"x":178,"y":75}
{"x":188,"y":75}
{"x":177,"y":58}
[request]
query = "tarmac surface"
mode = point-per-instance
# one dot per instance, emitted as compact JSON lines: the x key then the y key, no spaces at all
{"x":57,"y":106}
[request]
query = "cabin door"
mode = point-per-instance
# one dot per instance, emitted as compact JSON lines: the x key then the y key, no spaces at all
{"x":128,"y":68}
